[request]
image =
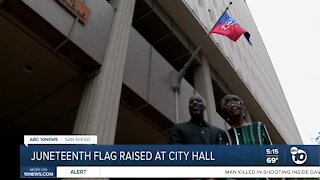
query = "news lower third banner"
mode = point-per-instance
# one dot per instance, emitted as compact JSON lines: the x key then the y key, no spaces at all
{"x":67,"y":157}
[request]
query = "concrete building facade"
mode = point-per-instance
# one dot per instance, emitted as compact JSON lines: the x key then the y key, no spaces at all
{"x":103,"y":67}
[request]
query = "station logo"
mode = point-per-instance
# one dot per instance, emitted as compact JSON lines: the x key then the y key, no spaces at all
{"x":298,"y":156}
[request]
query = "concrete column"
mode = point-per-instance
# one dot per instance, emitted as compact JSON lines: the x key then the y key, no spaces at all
{"x":203,"y":84}
{"x":99,"y":107}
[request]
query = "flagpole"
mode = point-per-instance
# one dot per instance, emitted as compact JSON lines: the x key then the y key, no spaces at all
{"x":176,"y":77}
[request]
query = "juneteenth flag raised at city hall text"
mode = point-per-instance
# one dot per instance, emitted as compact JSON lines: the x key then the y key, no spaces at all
{"x":229,"y":27}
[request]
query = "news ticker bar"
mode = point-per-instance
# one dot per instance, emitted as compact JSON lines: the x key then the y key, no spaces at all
{"x":177,"y":172}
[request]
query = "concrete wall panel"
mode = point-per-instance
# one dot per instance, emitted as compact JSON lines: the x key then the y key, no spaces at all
{"x":137,"y":67}
{"x":91,"y":37}
{"x":138,"y":70}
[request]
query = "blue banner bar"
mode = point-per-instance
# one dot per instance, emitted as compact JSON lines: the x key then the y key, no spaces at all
{"x":45,"y":156}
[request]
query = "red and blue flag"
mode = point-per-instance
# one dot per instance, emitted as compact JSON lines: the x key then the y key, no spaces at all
{"x":229,"y":27}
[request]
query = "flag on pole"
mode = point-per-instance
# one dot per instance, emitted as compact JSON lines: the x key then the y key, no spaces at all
{"x":229,"y":27}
